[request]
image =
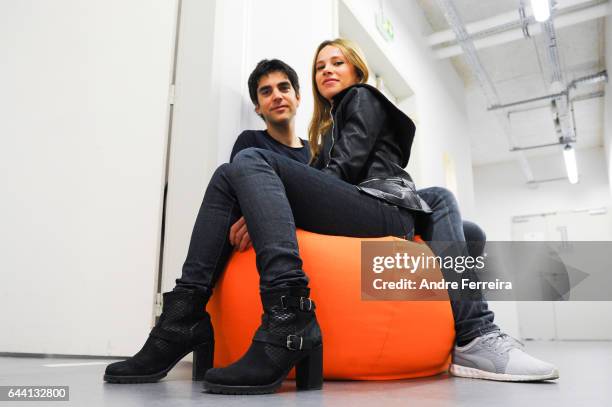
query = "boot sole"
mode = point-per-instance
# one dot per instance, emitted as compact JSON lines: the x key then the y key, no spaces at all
{"x":244,"y":390}
{"x":224,"y":389}
{"x":258,"y":389}
{"x":152,"y":378}
{"x":136,"y":379}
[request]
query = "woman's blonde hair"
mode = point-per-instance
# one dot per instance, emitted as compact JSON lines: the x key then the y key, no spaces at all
{"x":321,"y":116}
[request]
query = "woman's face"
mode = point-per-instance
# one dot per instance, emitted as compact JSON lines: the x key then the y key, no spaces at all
{"x":334,"y":72}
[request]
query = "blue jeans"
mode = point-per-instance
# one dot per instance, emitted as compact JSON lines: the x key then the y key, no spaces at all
{"x":473,"y":317}
{"x":276,"y":195}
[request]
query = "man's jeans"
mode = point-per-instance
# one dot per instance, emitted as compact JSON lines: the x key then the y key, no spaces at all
{"x":276,"y":195}
{"x":473,"y":317}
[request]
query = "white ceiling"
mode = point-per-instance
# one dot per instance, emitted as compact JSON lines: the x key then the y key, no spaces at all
{"x":519,"y":70}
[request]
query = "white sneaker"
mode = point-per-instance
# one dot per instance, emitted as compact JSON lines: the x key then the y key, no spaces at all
{"x":497,"y":356}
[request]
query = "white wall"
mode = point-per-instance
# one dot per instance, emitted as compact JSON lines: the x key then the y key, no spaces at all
{"x":84,"y":124}
{"x":440,"y":98}
{"x":501,"y":191}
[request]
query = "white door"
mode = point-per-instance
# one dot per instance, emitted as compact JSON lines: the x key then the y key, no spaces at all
{"x":84,"y":125}
{"x":579,"y":320}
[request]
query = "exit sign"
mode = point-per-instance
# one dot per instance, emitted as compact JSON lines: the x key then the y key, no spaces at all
{"x":385,"y":28}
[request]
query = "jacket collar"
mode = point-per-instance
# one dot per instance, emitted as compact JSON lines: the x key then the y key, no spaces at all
{"x":403,"y":126}
{"x":337,"y":98}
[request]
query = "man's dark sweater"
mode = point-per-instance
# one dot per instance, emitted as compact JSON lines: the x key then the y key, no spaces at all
{"x":261,"y":139}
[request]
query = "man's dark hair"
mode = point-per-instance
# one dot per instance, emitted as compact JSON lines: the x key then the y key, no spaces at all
{"x":267,"y":66}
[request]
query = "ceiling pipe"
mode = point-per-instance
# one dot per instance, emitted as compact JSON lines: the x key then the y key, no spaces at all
{"x":578,"y":98}
{"x":473,"y":61}
{"x":454,"y":20}
{"x":524,"y":101}
{"x":495,"y":22}
{"x":539,"y":146}
{"x":500,"y":20}
{"x":565,"y":20}
{"x":590,"y":79}
{"x":509,"y":18}
{"x":584,"y":80}
{"x":552,"y":52}
{"x":541,"y":181}
{"x":525,"y":21}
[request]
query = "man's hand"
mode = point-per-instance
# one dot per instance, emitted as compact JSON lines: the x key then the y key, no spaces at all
{"x":239,"y":235}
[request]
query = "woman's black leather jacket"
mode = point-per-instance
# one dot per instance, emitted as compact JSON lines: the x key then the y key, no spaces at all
{"x":369,"y":146}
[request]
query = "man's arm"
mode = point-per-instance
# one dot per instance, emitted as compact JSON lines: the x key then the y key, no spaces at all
{"x":244,"y":140}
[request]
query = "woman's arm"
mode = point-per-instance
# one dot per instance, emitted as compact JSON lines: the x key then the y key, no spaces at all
{"x":364,"y":118}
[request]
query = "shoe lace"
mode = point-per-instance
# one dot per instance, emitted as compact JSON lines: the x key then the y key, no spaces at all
{"x":502,"y":342}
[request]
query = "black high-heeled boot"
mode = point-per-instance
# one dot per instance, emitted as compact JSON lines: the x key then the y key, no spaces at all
{"x":184,"y":326}
{"x":288,"y":336}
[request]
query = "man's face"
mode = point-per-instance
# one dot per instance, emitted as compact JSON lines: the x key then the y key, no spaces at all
{"x":277,"y":100}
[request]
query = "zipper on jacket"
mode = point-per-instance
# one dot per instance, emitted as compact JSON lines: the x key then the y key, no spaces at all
{"x":382,"y":179}
{"x":332,"y":136}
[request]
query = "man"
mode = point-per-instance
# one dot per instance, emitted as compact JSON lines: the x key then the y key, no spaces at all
{"x":275,"y":92}
{"x":482,"y":350}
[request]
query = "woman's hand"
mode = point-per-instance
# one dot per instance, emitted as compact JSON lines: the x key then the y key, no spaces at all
{"x":239,"y":235}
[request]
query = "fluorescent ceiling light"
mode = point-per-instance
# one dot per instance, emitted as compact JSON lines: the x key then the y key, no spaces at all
{"x":570,"y":164}
{"x":540,"y":10}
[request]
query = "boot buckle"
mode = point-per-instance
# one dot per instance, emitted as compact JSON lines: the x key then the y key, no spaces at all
{"x":304,"y":303}
{"x":284,"y":302}
{"x":306,"y":300}
{"x":291,"y":339}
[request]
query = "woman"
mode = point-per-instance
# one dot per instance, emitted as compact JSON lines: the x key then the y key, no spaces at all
{"x":367,"y":143}
{"x":356,"y":186}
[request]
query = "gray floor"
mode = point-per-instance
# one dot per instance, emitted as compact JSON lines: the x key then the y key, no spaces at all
{"x":586,"y":380}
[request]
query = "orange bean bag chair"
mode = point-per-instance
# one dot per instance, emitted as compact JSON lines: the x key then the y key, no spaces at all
{"x":362,"y":340}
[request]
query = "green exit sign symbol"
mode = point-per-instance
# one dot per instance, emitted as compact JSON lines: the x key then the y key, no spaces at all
{"x":384,"y":27}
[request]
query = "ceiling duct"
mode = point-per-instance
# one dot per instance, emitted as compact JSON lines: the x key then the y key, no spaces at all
{"x":511,"y":26}
{"x":559,"y":104}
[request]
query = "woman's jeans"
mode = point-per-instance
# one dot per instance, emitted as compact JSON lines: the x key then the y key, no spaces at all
{"x":276,"y":195}
{"x":472,"y":315}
